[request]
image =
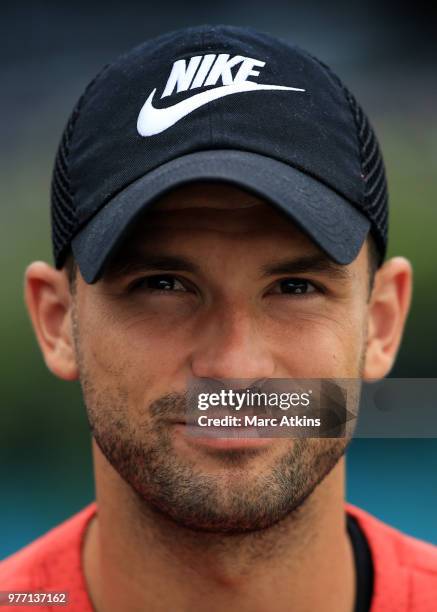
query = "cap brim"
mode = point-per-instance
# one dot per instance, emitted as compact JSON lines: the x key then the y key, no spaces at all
{"x":330,"y":220}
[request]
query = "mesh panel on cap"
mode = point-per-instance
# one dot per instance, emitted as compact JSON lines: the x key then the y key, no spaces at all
{"x":64,"y":220}
{"x":63,"y":214}
{"x":375,"y":202}
{"x":373,"y":171}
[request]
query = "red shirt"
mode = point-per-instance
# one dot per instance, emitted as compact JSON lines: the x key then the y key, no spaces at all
{"x":405,"y":568}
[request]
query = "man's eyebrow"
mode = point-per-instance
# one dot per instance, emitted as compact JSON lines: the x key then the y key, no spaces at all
{"x":141,"y":262}
{"x":308,"y":263}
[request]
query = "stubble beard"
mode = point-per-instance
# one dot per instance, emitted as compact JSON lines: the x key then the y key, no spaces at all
{"x":234,"y":500}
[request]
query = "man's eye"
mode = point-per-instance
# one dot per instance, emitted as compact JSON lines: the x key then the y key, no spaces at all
{"x":294,"y":286}
{"x":159,"y":282}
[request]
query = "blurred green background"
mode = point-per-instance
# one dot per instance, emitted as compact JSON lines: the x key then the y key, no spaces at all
{"x":49,"y":53}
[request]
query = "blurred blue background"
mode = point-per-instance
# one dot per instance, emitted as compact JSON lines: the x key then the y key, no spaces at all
{"x":384,"y":51}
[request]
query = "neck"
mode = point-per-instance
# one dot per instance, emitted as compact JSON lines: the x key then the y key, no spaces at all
{"x":136,"y":558}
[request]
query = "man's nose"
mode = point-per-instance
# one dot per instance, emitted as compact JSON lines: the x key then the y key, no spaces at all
{"x":230,"y":344}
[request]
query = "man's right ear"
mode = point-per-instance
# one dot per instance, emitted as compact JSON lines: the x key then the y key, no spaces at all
{"x":49,"y":302}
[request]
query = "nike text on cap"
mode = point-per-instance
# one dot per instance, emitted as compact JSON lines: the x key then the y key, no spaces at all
{"x":223,"y":104}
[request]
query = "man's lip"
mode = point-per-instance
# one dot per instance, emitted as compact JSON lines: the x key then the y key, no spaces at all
{"x":224,"y":438}
{"x":193,"y":430}
{"x":194,"y":423}
{"x":192,"y":418}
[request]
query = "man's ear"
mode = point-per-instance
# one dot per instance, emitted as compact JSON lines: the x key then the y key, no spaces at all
{"x":388,"y":309}
{"x":49,"y":303}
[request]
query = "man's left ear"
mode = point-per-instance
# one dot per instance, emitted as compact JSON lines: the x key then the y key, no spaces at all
{"x":388,"y":309}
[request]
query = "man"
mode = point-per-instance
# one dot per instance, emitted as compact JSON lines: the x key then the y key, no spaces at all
{"x":219,"y":211}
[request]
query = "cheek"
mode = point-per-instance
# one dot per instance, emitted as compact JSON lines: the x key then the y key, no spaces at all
{"x":146,"y":350}
{"x":134,"y":353}
{"x":316,"y":345}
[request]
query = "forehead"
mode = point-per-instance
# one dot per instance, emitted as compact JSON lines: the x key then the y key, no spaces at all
{"x":201,"y":221}
{"x":214,"y":207}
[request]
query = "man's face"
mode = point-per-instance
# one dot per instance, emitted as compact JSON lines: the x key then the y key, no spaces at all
{"x":214,"y":283}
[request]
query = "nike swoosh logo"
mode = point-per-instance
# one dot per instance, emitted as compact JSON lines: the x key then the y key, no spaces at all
{"x":153,"y":120}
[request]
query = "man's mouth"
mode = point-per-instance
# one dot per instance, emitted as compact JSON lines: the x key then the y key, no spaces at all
{"x":225,"y":435}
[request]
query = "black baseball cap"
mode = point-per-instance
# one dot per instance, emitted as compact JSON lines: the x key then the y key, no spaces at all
{"x":217,"y":103}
